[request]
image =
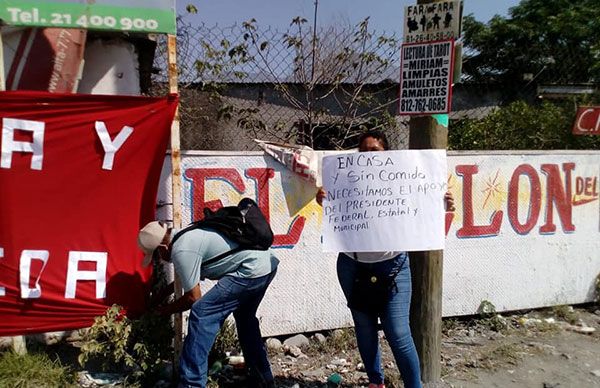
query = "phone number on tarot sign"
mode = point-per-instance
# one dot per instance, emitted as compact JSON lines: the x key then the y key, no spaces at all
{"x":423,"y":105}
{"x":84,"y":21}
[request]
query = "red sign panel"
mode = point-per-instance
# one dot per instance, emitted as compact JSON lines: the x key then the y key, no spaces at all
{"x":587,"y":121}
{"x":78,"y":176}
{"x":44,"y":59}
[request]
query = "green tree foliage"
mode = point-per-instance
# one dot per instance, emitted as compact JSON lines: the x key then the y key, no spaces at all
{"x":520,"y":126}
{"x":540,"y":42}
{"x":556,"y":41}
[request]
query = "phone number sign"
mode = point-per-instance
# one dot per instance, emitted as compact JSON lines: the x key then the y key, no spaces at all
{"x":426,"y":78}
{"x":115,"y":15}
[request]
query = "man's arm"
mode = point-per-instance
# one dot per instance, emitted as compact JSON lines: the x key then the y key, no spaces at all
{"x":159,"y":296}
{"x":182,"y":304}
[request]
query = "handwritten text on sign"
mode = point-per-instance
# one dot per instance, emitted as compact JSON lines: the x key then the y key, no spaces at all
{"x":384,"y":201}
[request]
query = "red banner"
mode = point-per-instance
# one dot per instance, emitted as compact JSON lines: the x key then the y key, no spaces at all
{"x":78,"y":176}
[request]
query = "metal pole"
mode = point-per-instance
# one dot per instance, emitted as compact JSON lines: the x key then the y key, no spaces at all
{"x":175,"y":186}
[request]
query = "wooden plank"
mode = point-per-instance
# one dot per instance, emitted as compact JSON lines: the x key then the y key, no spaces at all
{"x":18,"y":345}
{"x":175,"y":187}
{"x":2,"y":79}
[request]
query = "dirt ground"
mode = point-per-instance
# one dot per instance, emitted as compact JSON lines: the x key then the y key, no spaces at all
{"x":550,"y":348}
{"x":530,"y":354}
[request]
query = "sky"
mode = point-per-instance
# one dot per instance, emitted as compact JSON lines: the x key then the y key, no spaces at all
{"x":385,"y":15}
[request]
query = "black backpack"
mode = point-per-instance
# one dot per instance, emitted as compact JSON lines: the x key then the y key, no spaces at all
{"x":244,"y":224}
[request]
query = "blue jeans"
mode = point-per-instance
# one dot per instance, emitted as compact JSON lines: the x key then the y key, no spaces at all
{"x":240,"y":296}
{"x":394,"y":319}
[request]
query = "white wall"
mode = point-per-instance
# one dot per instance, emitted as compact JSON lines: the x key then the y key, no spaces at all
{"x":111,"y":67}
{"x":508,"y":267}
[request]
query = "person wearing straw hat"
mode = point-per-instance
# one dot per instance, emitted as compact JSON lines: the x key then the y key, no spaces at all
{"x":242,"y":280}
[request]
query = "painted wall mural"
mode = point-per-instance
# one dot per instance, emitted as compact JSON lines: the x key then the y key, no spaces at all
{"x":525,"y":233}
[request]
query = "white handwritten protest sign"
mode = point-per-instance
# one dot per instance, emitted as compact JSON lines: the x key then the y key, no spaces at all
{"x":384,"y":201}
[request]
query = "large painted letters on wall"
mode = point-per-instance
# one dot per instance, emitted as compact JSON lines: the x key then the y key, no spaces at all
{"x":525,"y":233}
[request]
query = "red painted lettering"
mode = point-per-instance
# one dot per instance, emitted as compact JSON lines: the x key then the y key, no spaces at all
{"x":449,"y":219}
{"x":469,"y":229}
{"x":260,"y":176}
{"x":590,"y":186}
{"x":558,"y":196}
{"x":585,"y":190}
{"x":579,"y":185}
{"x":199,"y":176}
{"x":534,"y":199}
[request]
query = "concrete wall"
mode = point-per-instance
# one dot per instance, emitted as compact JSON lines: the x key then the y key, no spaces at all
{"x":525,"y":234}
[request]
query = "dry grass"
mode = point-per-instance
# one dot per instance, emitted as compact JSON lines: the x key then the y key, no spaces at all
{"x":566,"y":313}
{"x":340,"y":340}
{"x":449,"y":325}
{"x":505,"y":354}
{"x":34,"y":370}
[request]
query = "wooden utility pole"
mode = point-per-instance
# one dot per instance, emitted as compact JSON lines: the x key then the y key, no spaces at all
{"x":427,"y":132}
{"x":427,"y":268}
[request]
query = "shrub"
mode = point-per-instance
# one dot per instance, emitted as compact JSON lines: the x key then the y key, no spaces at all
{"x":520,"y":126}
{"x":226,"y":341}
{"x":136,"y":348}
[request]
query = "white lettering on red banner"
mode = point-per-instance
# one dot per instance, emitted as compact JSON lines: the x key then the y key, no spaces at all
{"x":27,"y":256}
{"x":77,"y":183}
{"x":74,"y":274}
{"x":111,"y":147}
{"x":10,"y":145}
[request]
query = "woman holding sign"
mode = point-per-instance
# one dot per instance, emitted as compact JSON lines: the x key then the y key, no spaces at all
{"x":378,"y":285}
